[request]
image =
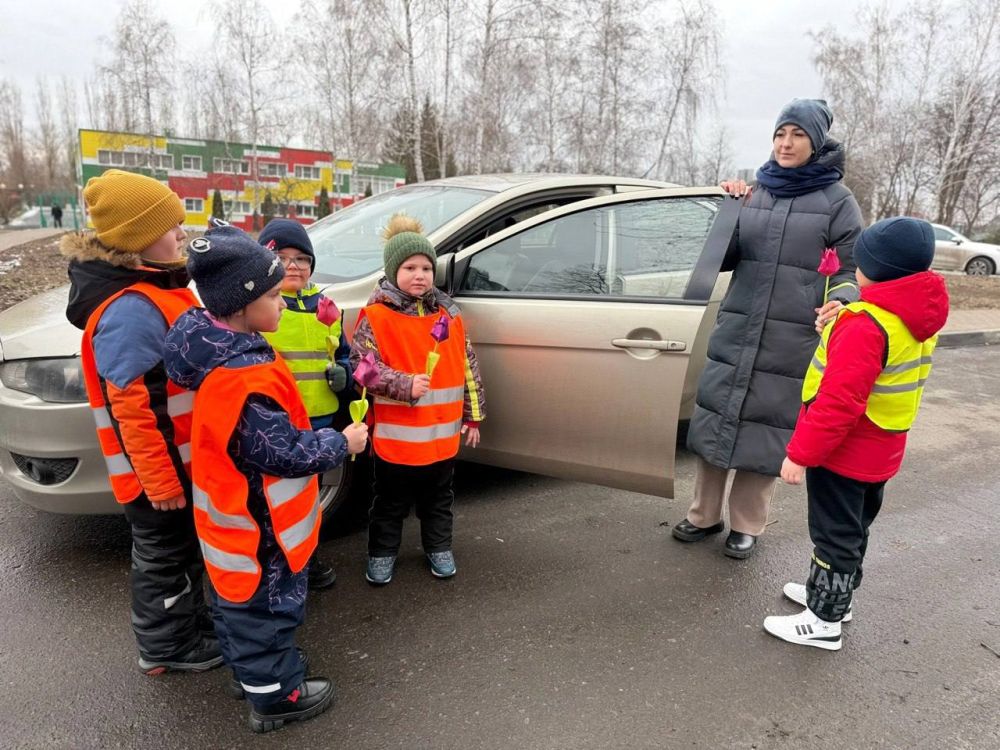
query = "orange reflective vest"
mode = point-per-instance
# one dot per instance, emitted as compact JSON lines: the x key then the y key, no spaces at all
{"x":124,"y":482}
{"x":227,"y":532}
{"x":429,"y":431}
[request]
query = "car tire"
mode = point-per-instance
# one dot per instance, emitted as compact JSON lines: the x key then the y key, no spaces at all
{"x":980,"y":266}
{"x":335,"y":492}
{"x":345,"y":495}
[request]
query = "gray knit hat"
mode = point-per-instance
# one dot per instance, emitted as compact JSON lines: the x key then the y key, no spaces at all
{"x":404,"y":238}
{"x":812,"y":115}
{"x":231,"y":270}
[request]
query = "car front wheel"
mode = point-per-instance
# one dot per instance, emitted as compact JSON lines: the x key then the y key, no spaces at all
{"x":980,"y":267}
{"x":335,"y":495}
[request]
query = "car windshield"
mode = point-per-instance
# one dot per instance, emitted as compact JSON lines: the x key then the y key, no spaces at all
{"x":348,"y":245}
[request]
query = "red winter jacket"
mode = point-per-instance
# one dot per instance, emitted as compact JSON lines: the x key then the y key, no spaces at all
{"x":833,"y":431}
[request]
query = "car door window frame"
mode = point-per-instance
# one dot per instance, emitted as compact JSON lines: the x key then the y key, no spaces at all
{"x":700,"y":284}
{"x":568,"y":195}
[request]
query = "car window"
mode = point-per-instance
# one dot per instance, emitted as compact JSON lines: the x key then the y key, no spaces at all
{"x":637,"y":249}
{"x":510,"y":218}
{"x":943,"y":235}
{"x":348,"y":245}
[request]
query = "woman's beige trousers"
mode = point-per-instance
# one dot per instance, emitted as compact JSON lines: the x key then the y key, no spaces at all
{"x":749,"y":498}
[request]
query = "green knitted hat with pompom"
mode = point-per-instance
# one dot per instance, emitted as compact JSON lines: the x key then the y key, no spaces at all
{"x":404,"y":238}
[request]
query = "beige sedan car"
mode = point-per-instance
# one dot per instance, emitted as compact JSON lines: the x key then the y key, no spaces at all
{"x":588,"y":299}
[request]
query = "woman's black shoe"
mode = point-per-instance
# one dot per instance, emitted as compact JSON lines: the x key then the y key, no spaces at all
{"x":309,"y":699}
{"x":740,"y":545}
{"x":688,"y":532}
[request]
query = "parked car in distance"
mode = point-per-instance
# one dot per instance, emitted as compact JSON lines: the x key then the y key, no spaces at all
{"x":955,"y":252}
{"x":589,"y":301}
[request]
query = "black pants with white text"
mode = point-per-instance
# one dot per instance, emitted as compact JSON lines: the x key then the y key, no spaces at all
{"x":841,"y":510}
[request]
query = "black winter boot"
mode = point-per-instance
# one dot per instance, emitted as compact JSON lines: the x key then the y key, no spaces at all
{"x":235,"y":690}
{"x":321,"y":574}
{"x":202,"y":657}
{"x":308,"y":700}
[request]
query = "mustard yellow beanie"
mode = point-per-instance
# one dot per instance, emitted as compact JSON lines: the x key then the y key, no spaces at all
{"x":131,"y":211}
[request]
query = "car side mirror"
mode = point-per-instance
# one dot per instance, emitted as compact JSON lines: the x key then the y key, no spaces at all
{"x":444,"y":273}
{"x":957,"y":240}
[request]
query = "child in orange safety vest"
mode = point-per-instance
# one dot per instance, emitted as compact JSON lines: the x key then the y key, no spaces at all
{"x":129,"y":284}
{"x":254,"y":464}
{"x":429,"y":393}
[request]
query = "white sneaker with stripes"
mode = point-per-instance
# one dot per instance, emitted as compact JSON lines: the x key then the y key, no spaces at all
{"x":805,"y":629}
{"x":797,"y":593}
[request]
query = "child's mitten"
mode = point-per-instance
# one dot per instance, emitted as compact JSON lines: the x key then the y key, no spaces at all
{"x":336,"y":377}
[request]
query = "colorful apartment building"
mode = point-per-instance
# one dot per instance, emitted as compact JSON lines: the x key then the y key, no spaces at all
{"x":243,"y":174}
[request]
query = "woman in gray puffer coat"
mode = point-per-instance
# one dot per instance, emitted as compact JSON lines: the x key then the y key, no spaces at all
{"x":749,"y":394}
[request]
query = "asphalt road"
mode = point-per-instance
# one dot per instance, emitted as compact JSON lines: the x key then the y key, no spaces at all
{"x":575,"y":622}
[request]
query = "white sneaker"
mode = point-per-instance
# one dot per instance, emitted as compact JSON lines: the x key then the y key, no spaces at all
{"x":805,"y":629}
{"x":797,"y":593}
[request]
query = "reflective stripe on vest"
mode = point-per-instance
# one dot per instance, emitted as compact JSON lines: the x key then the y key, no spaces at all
{"x":229,"y":535}
{"x":301,"y":340}
{"x":429,"y":430}
{"x":124,"y":482}
{"x":897,"y":392}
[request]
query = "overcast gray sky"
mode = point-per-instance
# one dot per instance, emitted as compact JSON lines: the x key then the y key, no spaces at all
{"x":767,"y":51}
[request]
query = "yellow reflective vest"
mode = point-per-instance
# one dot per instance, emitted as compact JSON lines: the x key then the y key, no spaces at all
{"x":895,"y":397}
{"x":307,"y":346}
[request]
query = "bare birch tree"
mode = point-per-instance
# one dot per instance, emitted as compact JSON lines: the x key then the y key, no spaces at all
{"x":687,"y":71}
{"x":14,"y":158}
{"x":344,"y":59}
{"x":47,"y":135}
{"x":919,"y":122}
{"x":405,"y":21}
{"x":248,"y":36}
{"x":69,"y":126}
{"x":970,"y":110}
{"x":141,"y":69}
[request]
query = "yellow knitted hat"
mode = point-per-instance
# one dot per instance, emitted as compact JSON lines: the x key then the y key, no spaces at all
{"x":131,"y":211}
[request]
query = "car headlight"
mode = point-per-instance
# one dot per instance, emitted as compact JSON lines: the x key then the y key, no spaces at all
{"x":59,"y":381}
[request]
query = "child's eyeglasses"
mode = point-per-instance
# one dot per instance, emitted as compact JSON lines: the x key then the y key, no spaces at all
{"x":299,"y":261}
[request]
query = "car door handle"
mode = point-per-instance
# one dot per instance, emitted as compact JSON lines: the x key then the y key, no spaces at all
{"x":661,"y":345}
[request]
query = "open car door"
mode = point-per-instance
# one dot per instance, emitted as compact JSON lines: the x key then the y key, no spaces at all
{"x":584,"y":320}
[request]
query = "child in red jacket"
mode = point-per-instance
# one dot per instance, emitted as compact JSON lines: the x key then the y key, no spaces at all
{"x":860,"y":396}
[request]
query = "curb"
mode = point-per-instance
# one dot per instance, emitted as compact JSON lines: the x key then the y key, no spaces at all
{"x":957,"y":339}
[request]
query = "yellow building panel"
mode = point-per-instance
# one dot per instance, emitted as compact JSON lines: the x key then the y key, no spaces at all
{"x":195,"y":219}
{"x":344,"y":165}
{"x":300,"y":190}
{"x":93,"y":140}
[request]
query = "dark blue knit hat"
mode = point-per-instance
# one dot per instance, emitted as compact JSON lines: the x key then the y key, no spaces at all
{"x":893,"y":248}
{"x":231,"y":270}
{"x":812,"y":115}
{"x":287,"y":233}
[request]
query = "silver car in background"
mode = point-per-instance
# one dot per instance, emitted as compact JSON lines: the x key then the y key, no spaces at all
{"x":955,"y":252}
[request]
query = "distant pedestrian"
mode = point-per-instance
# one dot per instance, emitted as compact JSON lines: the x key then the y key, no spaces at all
{"x":254,"y":464}
{"x":421,"y":409}
{"x":128,"y":284}
{"x":57,"y":213}
{"x":860,"y":397}
{"x":747,"y":398}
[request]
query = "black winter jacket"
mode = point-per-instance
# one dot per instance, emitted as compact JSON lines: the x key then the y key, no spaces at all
{"x":750,"y":391}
